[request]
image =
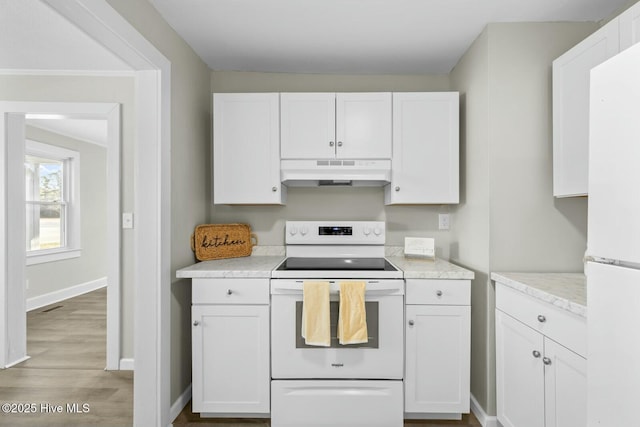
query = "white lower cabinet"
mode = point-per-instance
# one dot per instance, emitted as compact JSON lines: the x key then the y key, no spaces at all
{"x":230,"y":346}
{"x":565,"y":387}
{"x":539,"y":382}
{"x":437,"y":353}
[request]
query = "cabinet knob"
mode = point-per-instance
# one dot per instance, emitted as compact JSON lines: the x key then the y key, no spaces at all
{"x":331,"y":143}
{"x":546,"y":361}
{"x":196,"y":323}
{"x":411,"y":323}
{"x":536,"y":354}
{"x":397,"y":188}
{"x":439,"y":293}
{"x":339,"y":143}
{"x":274,"y":189}
{"x":541,"y":318}
{"x":229,"y":291}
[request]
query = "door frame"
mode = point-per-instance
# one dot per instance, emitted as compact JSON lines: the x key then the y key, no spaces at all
{"x":13,"y":347}
{"x":152,"y":176}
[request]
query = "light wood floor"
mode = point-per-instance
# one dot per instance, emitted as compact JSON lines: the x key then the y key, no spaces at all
{"x":67,"y":345}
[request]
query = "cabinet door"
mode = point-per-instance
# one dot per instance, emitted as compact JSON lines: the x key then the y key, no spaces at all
{"x":363,"y":125}
{"x":630,"y":27}
{"x":308,"y":125}
{"x":437,"y":359}
{"x":565,"y":385}
{"x":519,"y":373}
{"x":425,"y":164}
{"x":246,"y":154}
{"x":571,"y":109}
{"x":230,"y":359}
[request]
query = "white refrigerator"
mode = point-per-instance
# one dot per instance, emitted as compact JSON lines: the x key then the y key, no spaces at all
{"x":613,"y":248}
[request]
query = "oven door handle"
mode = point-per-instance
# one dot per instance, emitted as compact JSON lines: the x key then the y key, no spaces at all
{"x":297,"y":290}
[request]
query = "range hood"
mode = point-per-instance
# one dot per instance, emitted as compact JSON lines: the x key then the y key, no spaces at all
{"x":355,"y":173}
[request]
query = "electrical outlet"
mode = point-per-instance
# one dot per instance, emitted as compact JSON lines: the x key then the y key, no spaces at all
{"x":443,"y":221}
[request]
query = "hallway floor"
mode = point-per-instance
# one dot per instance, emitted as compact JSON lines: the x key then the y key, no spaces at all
{"x":64,"y":382}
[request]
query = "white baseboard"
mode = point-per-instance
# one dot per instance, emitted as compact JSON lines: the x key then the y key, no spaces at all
{"x":484,"y":419}
{"x":14,"y":363}
{"x":126,"y":364}
{"x":66,"y":293}
{"x":179,"y":404}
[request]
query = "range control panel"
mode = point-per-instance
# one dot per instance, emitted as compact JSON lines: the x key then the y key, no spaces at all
{"x":335,"y":232}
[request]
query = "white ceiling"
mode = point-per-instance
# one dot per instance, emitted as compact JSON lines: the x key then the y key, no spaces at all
{"x":92,"y":131}
{"x":354,"y":36}
{"x":35,"y":37}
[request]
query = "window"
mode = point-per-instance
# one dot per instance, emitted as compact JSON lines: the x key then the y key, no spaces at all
{"x":52,"y":200}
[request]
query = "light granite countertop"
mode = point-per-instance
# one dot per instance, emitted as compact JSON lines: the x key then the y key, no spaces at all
{"x":416,"y":268}
{"x":251,"y":266}
{"x":266,"y":258}
{"x":564,"y":290}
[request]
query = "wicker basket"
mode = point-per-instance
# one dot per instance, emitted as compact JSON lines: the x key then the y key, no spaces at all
{"x":217,"y":241}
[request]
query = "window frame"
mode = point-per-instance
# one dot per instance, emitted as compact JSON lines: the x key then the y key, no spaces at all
{"x":71,"y":197}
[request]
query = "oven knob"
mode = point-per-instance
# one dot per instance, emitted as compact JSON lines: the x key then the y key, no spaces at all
{"x":304,"y":231}
{"x":293,"y":231}
{"x":366,"y":231}
{"x":377,"y":231}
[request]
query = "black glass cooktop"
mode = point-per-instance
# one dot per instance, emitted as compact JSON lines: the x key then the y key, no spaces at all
{"x":336,"y":264}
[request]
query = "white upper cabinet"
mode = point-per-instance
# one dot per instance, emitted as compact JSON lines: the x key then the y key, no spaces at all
{"x":330,"y":125}
{"x":363,"y":125}
{"x":425,"y":164}
{"x":308,"y":125}
{"x":571,"y":82}
{"x":246,"y":155}
{"x":630,"y":27}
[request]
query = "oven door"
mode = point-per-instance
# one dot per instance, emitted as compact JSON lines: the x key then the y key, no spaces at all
{"x":381,"y":358}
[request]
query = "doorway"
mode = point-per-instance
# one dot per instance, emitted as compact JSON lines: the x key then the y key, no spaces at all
{"x":15,"y":129}
{"x":151,"y":240}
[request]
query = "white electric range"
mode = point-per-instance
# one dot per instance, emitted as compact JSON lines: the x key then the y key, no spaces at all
{"x":340,"y":385}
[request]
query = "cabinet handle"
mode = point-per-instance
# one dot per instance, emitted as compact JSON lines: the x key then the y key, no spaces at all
{"x":439,"y":293}
{"x":411,"y":323}
{"x":536,"y":354}
{"x":339,"y":143}
{"x":229,"y":291}
{"x":397,"y":188}
{"x":546,"y":361}
{"x":196,"y":323}
{"x":274,"y":189}
{"x":541,"y":318}
{"x":331,"y":143}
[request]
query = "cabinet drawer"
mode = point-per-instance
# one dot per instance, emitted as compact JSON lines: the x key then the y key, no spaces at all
{"x":230,"y":291}
{"x":564,"y":327}
{"x":438,"y":292}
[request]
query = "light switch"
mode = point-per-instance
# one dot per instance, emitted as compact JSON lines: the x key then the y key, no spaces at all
{"x":127,"y":220}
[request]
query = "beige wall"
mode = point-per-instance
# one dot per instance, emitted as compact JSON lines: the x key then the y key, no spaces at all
{"x":508,"y":219}
{"x":470,"y":219}
{"x":333,"y":203}
{"x":190,"y":167}
{"x":91,"y":265}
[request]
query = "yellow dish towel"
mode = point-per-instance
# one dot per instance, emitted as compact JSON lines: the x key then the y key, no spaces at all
{"x":316,"y":324}
{"x":352,"y":318}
